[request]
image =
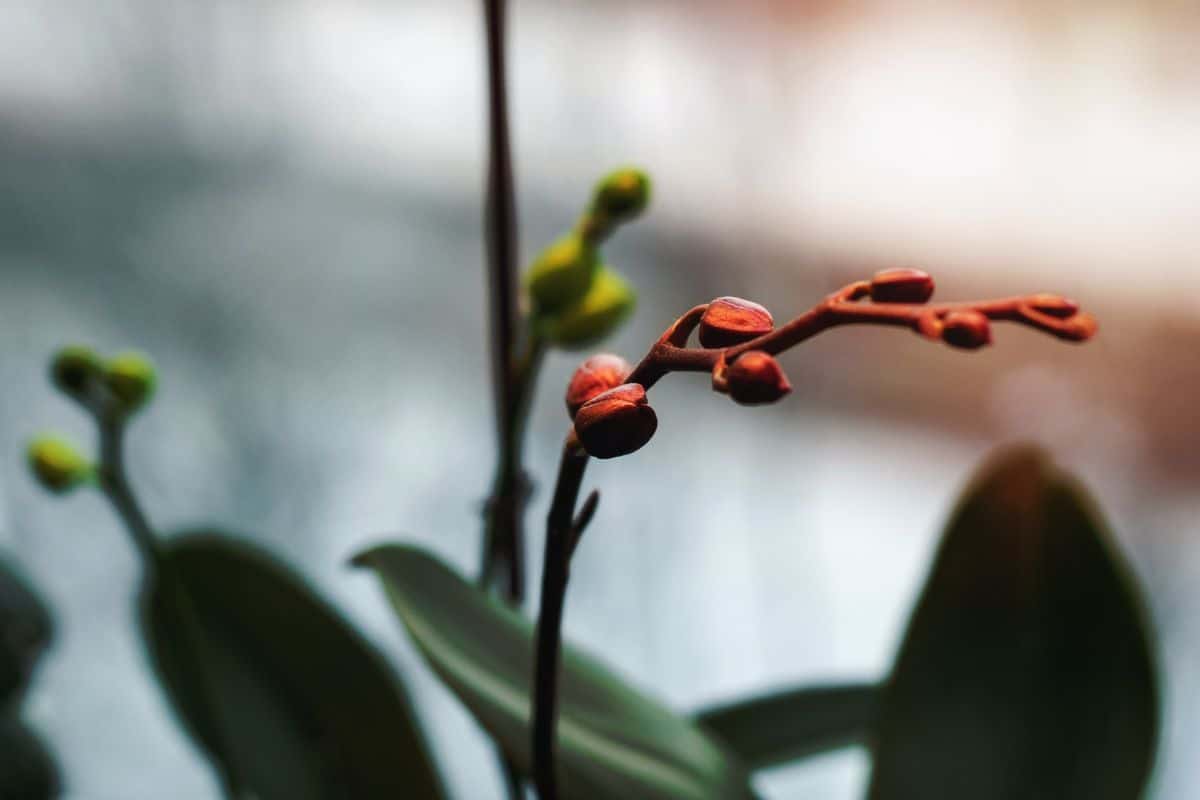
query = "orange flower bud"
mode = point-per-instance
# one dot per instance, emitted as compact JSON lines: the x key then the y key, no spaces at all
{"x":1054,"y":305}
{"x":901,"y":286}
{"x":756,"y":378}
{"x":595,"y":375}
{"x":616,"y":422}
{"x":1081,"y":327}
{"x":731,"y":320}
{"x":969,"y":330}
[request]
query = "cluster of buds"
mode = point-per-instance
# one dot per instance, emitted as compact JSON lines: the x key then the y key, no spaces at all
{"x":612,"y":417}
{"x":739,"y":342}
{"x":119,"y":385}
{"x":110,"y":389}
{"x":577,"y":300}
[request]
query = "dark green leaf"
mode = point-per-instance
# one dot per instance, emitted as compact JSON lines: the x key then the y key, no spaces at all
{"x":291,"y":703}
{"x":614,"y":743}
{"x":27,"y":772}
{"x":1026,"y":671}
{"x":25,"y":630}
{"x":777,"y":728}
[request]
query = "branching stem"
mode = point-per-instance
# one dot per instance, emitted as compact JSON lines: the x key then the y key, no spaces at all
{"x":1048,"y":313}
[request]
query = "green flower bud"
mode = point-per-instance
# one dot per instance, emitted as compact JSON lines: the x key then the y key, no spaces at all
{"x":598,"y":314}
{"x":131,"y":378}
{"x":621,"y":195}
{"x":73,"y":370}
{"x":57,"y":464}
{"x":562,"y":274}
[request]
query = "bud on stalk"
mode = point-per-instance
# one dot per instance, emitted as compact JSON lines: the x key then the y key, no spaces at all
{"x":562,"y":273}
{"x":756,"y":378}
{"x":731,"y":320}
{"x":1054,"y":305}
{"x":901,"y":286}
{"x":57,"y":465}
{"x":595,"y":375}
{"x":609,"y":300}
{"x":131,"y":378}
{"x":616,"y":422}
{"x":621,"y":195}
{"x":73,"y":370}
{"x":968,"y":330}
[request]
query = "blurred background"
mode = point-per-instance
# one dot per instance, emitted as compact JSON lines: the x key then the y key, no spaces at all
{"x":280,"y":201}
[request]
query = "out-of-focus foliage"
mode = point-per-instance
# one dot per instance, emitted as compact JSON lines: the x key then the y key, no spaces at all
{"x":789,"y":725}
{"x":27,"y":771}
{"x":614,"y":742}
{"x":1027,"y":669}
{"x":289,"y":701}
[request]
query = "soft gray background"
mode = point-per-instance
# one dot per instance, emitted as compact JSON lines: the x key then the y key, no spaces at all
{"x":280,"y":201}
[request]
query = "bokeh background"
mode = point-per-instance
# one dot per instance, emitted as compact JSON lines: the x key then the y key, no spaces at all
{"x":280,"y":201}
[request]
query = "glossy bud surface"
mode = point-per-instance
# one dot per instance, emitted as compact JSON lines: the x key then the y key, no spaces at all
{"x":616,"y":422}
{"x":968,"y":330}
{"x":731,"y":320}
{"x":595,"y":375}
{"x":756,"y":378}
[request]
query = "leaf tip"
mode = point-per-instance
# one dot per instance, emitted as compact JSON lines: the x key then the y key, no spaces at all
{"x":364,"y":558}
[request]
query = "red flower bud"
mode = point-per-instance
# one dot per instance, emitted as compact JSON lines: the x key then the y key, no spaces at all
{"x":969,"y":330}
{"x":1054,"y":305}
{"x":1081,"y":327}
{"x":731,"y":320}
{"x":901,"y":286}
{"x":756,"y":378}
{"x":595,"y":375}
{"x":616,"y":422}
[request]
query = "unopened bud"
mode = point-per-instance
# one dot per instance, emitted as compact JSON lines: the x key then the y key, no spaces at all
{"x":616,"y":422}
{"x":731,"y":320}
{"x":1081,"y":327}
{"x":1054,"y":305}
{"x":131,"y":378}
{"x":621,"y":195}
{"x":57,"y":464}
{"x":756,"y":378}
{"x":606,"y":304}
{"x":595,"y":375}
{"x":73,"y":370}
{"x":562,"y":273}
{"x":901,"y":286}
{"x":969,"y":330}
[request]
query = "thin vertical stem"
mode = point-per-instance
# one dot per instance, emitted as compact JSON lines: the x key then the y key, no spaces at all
{"x":114,"y":482}
{"x":503,"y":544}
{"x":503,"y":536}
{"x":115,"y":485}
{"x":560,"y":536}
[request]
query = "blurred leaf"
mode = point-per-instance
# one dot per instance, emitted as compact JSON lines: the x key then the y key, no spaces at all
{"x":25,"y":630}
{"x":785,"y":726}
{"x":289,"y":700}
{"x":27,"y":772}
{"x":614,"y":743}
{"x":1026,"y":671}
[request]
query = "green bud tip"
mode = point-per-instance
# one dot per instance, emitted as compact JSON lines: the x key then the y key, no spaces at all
{"x":131,"y":378}
{"x":73,"y":369}
{"x":610,"y":300}
{"x":562,"y":273}
{"x":622,"y":194}
{"x":57,"y":464}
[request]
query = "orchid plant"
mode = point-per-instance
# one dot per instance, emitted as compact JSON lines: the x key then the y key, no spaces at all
{"x":1027,"y":669}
